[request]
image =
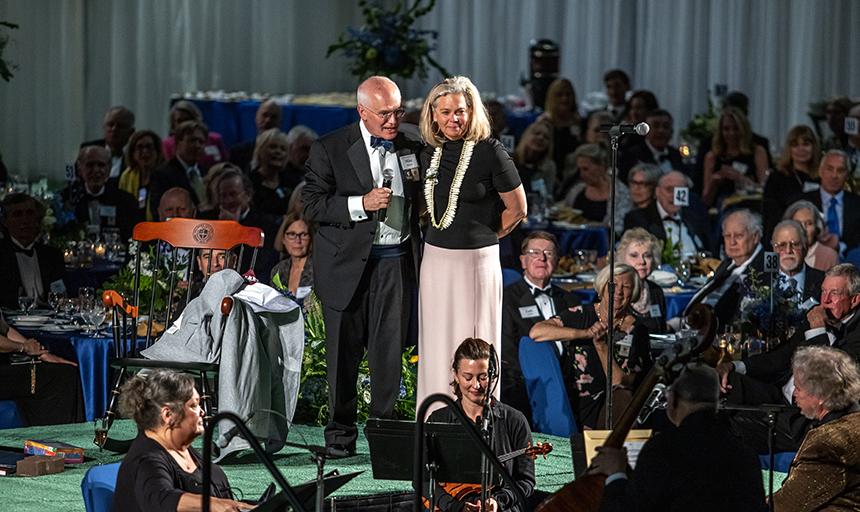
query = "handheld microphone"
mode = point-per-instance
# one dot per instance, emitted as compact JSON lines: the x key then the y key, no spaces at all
{"x":387,"y":179}
{"x":492,"y":367}
{"x":618,"y":129}
{"x":228,"y":436}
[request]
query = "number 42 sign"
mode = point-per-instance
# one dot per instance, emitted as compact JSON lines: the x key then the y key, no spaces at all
{"x":681,"y":196}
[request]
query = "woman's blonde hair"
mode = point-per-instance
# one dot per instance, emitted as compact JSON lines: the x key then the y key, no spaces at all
{"x":800,"y":132}
{"x":264,"y":139}
{"x":519,"y":154}
{"x":478,"y":127}
{"x":621,"y":269}
{"x":743,"y":124}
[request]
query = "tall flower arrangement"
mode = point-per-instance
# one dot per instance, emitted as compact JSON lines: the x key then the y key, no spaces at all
{"x":773,"y":311}
{"x":387,"y":44}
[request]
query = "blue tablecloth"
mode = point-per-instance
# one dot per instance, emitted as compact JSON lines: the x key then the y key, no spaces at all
{"x":234,"y":120}
{"x":92,"y":355}
{"x":675,"y":302}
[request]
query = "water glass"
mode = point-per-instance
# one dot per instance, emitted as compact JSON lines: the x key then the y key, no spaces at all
{"x":26,"y":300}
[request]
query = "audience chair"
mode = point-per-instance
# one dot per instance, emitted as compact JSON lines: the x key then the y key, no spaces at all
{"x":9,"y":415}
{"x":191,"y":235}
{"x":98,"y":487}
{"x":510,"y":276}
{"x":551,"y":412}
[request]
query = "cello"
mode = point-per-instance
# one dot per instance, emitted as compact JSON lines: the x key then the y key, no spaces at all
{"x":585,"y":493}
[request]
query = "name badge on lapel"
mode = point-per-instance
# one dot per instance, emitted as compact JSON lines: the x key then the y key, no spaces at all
{"x":409,"y":165}
{"x":109,"y":212}
{"x":529,"y":312}
{"x":655,"y":311}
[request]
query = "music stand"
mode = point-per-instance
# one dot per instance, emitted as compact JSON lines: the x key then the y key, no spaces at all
{"x":451,"y":454}
{"x":307,"y":491}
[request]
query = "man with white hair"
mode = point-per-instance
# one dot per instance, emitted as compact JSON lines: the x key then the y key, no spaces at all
{"x":840,"y":207}
{"x":118,"y":128}
{"x":789,"y":240}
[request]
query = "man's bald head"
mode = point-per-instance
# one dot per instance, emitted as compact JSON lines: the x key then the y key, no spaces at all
{"x":666,"y":190}
{"x":376,"y":86}
{"x":94,"y":166}
{"x":176,"y":202}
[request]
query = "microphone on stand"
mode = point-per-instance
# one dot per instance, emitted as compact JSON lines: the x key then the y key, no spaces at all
{"x":228,"y":436}
{"x":620,"y":128}
{"x":387,"y":179}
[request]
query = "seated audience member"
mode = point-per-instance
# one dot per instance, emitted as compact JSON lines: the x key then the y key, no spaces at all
{"x":796,"y":172}
{"x":585,"y":329}
{"x":641,"y":250}
{"x":214,"y":150}
{"x":295,"y":271}
{"x":639,"y":104}
{"x":143,"y":157}
{"x":818,"y":256}
{"x":161,"y":471}
{"x":183,"y":169}
{"x":741,"y":235}
{"x":210,"y":182}
{"x":591,"y":193}
{"x":533,"y":158}
{"x":617,"y":85}
{"x":765,"y":378}
{"x":841,"y":208}
{"x":655,"y":149}
{"x":672,"y":223}
{"x":789,"y":240}
{"x":593,"y":134}
{"x":25,"y":263}
{"x":852,"y":148}
{"x":269,"y":115}
{"x":499,"y":125}
{"x":118,"y":127}
{"x":642,"y":183}
{"x":48,"y":393}
{"x":835,"y":114}
{"x":562,"y":113}
{"x":99,"y":202}
{"x":472,"y":387}
{"x":299,"y":140}
{"x":234,"y":203}
{"x":526,"y":302}
{"x":824,"y":473}
{"x":697,"y":466}
{"x":734,"y":161}
{"x":271,"y":191}
{"x":176,"y":202}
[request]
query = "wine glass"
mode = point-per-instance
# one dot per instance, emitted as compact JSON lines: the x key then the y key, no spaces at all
{"x":55,"y":299}
{"x":101,"y":430}
{"x":97,"y":316}
{"x":26,"y":300}
{"x":87,"y":294}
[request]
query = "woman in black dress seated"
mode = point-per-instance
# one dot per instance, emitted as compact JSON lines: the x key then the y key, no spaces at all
{"x":591,"y":193}
{"x":734,"y":161}
{"x":161,"y":471}
{"x":584,"y":328}
{"x":269,"y":175}
{"x":641,"y":250}
{"x":796,"y":173}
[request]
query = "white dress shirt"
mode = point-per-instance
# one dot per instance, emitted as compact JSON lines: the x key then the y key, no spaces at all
{"x":677,"y":229}
{"x":546,"y":305}
{"x":28,"y":269}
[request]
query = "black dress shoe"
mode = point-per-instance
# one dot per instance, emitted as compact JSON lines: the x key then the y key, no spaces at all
{"x":339,"y":451}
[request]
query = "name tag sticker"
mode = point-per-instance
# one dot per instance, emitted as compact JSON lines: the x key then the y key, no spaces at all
{"x":58,"y":286}
{"x":681,"y":196}
{"x":655,"y":311}
{"x":809,"y":186}
{"x":740,"y":167}
{"x":529,"y":312}
{"x":408,"y":161}
{"x":771,"y":261}
{"x":508,"y":142}
{"x":212,"y":151}
{"x":107,"y":211}
{"x":280,"y":192}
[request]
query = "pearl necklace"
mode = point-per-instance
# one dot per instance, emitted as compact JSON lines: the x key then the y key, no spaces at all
{"x":453,"y":196}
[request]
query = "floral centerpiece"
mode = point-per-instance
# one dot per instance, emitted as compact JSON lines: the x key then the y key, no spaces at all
{"x":387,"y":44}
{"x":772,"y":312}
{"x":702,"y":124}
{"x":312,"y":406}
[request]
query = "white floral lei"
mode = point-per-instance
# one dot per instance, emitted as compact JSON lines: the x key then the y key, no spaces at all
{"x":454,"y":195}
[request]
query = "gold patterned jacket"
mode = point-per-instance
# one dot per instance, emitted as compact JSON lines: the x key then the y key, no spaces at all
{"x":825,"y":473}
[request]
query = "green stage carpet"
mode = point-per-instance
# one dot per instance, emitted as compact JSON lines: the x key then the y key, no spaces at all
{"x":62,"y":492}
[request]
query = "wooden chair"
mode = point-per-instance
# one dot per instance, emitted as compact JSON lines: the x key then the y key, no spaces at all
{"x":181,"y":234}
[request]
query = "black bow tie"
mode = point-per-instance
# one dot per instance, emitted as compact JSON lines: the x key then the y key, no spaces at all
{"x":839,"y":331}
{"x":28,"y":252}
{"x":672,"y":219}
{"x":663,"y":157}
{"x":375,"y":142}
{"x":537,"y":292}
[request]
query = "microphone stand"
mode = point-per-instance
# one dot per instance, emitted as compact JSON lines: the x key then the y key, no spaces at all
{"x":614,"y":135}
{"x":487,"y":430}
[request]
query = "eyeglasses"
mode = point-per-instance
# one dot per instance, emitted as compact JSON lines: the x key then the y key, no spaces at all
{"x":300,"y":236}
{"x":386,"y":114}
{"x":141,"y":147}
{"x":792,"y":245}
{"x":535,"y":253}
{"x":639,"y":183}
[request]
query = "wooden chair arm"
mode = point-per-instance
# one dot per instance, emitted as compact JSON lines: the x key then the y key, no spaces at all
{"x":112,"y":298}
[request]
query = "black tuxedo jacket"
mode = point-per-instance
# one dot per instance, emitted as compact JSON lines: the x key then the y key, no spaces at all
{"x":728,"y":305}
{"x":127,"y":213}
{"x":812,"y":284}
{"x":170,"y":174}
{"x":339,"y":167}
{"x":641,"y":154}
{"x":51,"y":268}
{"x":649,"y":218}
{"x":850,"y":216}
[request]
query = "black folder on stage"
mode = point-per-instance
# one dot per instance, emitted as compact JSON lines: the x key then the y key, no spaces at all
{"x":392,"y":450}
{"x":306,"y":492}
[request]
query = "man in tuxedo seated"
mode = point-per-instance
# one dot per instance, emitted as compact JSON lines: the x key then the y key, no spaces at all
{"x":825,"y":473}
{"x":789,"y":240}
{"x":182,"y":170}
{"x":617,"y":85}
{"x":118,"y":128}
{"x":235,"y":190}
{"x":841,"y":208}
{"x":697,"y":466}
{"x":655,"y":149}
{"x":99,"y":202}
{"x":766,"y":379}
{"x":526,"y":302}
{"x":741,"y":234}
{"x":269,"y":115}
{"x":25,"y":263}
{"x":671,"y":223}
